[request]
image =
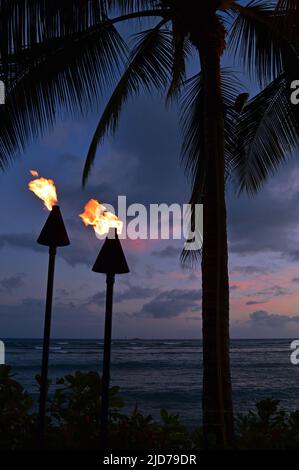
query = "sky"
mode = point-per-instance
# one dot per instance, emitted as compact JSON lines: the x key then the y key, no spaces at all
{"x":158,"y":298}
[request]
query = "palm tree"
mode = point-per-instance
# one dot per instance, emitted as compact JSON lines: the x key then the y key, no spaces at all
{"x":60,"y":56}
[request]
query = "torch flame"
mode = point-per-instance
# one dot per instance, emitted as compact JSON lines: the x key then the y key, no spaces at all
{"x":44,"y":189}
{"x":95,"y":214}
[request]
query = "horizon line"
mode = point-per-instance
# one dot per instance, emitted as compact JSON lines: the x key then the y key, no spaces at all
{"x":137,"y":338}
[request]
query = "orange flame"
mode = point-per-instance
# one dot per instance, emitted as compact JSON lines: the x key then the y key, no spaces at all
{"x":95,"y":214}
{"x":44,"y":189}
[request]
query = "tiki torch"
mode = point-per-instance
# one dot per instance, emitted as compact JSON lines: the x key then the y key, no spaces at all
{"x":52,"y":235}
{"x":110,"y":261}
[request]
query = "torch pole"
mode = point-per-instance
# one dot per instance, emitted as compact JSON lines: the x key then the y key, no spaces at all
{"x":110,"y":261}
{"x":106,"y":361}
{"x":46,"y":346}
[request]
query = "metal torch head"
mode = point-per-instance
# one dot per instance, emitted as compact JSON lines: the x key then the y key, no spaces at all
{"x":111,"y":259}
{"x":54,"y":232}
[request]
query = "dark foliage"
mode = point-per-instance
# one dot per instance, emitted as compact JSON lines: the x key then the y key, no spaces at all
{"x":73,"y":414}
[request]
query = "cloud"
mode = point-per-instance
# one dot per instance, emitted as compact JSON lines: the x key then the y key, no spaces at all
{"x":77,"y":253}
{"x":273,"y":291}
{"x":69,"y":320}
{"x":272,"y":320}
{"x":172,"y":303}
{"x":255,"y":302}
{"x":168,"y":252}
{"x":137,"y":163}
{"x":132,"y":293}
{"x":20,"y":240}
{"x":267,"y":222}
{"x":97,"y":298}
{"x":250,"y":270}
{"x":146,"y":169}
{"x":12,"y":283}
{"x":234,"y":287}
{"x":293,"y":255}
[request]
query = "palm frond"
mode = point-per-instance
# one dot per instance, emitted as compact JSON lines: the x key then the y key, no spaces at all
{"x":181,"y":50}
{"x":148,"y":68}
{"x":190,"y":258}
{"x":27,"y":22}
{"x":287,"y":5}
{"x":192,"y":116}
{"x":59,"y":74}
{"x":191,"y":123}
{"x":256,"y":39}
{"x":231,"y":89}
{"x":266,"y":135}
{"x":192,"y":145}
{"x":125,"y":7}
{"x":287,"y":18}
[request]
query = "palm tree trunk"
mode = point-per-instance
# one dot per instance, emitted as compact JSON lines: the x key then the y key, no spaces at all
{"x":217,"y":391}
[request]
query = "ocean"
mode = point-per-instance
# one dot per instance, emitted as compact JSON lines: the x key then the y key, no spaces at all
{"x":155,"y":374}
